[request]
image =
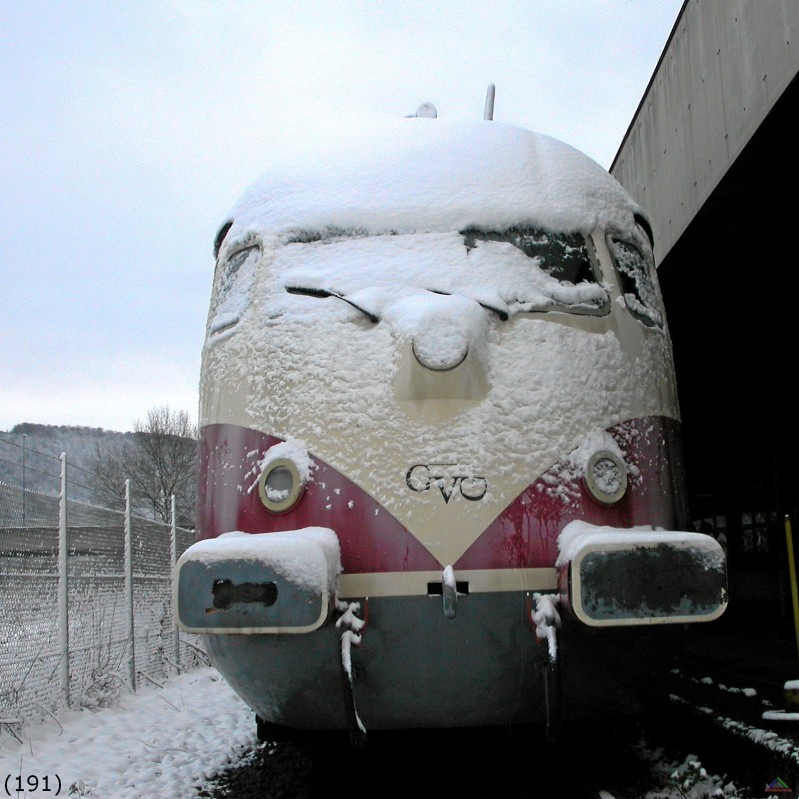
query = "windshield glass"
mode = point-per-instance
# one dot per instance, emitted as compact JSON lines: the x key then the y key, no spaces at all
{"x":235,"y":277}
{"x":562,"y":271}
{"x":516,"y":271}
{"x":636,"y":269}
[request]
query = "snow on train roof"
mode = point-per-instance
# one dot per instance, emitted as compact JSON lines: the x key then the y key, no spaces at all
{"x":290,"y":358}
{"x":420,"y":174}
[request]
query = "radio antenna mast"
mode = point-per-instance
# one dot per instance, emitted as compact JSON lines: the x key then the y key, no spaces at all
{"x":489,"y":110}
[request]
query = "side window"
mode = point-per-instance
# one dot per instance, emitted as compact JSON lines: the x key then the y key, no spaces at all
{"x":232,"y":292}
{"x":635,"y":266}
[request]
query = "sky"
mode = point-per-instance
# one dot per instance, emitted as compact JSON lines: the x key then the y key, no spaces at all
{"x":129,"y":129}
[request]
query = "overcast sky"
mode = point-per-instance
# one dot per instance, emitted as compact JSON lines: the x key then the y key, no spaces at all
{"x":128,"y":129}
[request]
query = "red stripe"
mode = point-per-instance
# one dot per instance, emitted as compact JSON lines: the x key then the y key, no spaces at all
{"x":524,"y":535}
{"x":371,"y":539}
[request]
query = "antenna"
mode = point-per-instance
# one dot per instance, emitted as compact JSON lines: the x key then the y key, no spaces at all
{"x":490,"y":93}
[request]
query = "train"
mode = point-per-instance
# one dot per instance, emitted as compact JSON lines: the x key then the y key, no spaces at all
{"x":441,"y":482}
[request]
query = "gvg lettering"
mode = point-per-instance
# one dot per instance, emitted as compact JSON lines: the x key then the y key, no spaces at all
{"x":422,"y":477}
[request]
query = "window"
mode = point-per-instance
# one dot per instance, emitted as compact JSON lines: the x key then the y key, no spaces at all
{"x":232,"y":293}
{"x":635,"y":266}
{"x":564,"y":275}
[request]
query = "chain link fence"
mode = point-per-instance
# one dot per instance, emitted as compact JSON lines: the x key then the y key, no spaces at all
{"x":85,"y":603}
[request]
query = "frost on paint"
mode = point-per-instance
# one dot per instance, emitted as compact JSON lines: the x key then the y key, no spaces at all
{"x":579,"y":535}
{"x":426,"y":248}
{"x":291,"y":450}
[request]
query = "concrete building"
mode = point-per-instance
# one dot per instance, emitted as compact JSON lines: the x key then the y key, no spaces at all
{"x":711,"y":154}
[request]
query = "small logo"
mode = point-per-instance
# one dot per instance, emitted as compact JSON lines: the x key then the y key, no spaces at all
{"x":777,"y":786}
{"x":424,"y":476}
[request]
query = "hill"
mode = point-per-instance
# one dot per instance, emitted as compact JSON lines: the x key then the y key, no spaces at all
{"x":39,"y":448}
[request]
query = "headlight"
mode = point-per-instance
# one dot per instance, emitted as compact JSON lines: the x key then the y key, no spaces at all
{"x":606,"y":477}
{"x":279,"y":485}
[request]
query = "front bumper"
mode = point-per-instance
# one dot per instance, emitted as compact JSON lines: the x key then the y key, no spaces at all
{"x":612,"y":577}
{"x":262,"y":583}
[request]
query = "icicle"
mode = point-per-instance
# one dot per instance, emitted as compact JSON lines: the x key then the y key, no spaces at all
{"x":348,"y":617}
{"x":547,"y":621}
{"x":449,"y":592}
{"x":350,"y":636}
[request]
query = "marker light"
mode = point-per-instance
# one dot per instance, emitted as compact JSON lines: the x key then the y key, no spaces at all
{"x":279,"y":485}
{"x":606,"y":477}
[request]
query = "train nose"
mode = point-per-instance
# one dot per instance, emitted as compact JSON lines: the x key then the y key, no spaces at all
{"x":441,"y":368}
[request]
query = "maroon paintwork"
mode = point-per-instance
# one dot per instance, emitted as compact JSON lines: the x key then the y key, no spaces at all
{"x":524,"y":535}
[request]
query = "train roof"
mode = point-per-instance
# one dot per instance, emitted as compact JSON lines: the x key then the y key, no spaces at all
{"x":422,"y":174}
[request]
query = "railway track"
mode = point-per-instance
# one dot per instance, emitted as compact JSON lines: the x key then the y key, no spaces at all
{"x":606,"y":759}
{"x":713,"y":711}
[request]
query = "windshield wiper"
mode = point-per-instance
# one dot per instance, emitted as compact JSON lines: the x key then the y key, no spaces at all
{"x":322,"y":293}
{"x":503,"y":315}
{"x":307,"y":291}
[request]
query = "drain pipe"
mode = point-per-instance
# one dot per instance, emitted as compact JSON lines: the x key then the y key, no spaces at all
{"x":792,"y":573}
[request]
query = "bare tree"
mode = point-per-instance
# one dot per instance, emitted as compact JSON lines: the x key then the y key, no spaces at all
{"x":109,"y":468}
{"x":167,"y":461}
{"x":160,"y":460}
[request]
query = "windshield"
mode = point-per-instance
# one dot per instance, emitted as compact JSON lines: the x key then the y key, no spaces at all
{"x":636,"y":269}
{"x":563,"y":275}
{"x":519,"y":270}
{"x":234,"y":278}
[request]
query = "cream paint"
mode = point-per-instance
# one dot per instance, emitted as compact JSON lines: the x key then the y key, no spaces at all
{"x":377,"y":219}
{"x":386,"y":584}
{"x":549,"y":380}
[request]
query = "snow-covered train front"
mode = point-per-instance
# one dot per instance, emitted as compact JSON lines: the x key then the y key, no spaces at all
{"x":440,"y":471}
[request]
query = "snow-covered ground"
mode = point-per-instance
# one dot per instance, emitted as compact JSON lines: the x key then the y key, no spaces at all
{"x":157,"y":744}
{"x":165,"y":743}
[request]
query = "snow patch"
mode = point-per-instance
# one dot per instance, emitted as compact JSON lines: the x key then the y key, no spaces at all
{"x":547,"y":622}
{"x":453,"y":174}
{"x":578,"y":534}
{"x":292,"y":450}
{"x":154,"y":744}
{"x":291,"y":561}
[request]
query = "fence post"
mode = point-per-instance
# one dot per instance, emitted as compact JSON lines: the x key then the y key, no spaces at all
{"x":174,"y":559}
{"x":63,"y":595}
{"x":129,"y":585}
{"x":24,"y":467}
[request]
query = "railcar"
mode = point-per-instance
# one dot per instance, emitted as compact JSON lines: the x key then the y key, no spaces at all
{"x":440,"y":481}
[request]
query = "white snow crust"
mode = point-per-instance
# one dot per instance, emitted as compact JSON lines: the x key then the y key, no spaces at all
{"x":168,"y":742}
{"x":287,"y":552}
{"x":546,"y":618}
{"x":452,"y":174}
{"x":596,"y":441}
{"x":291,"y":450}
{"x":578,"y":534}
{"x":780,"y":715}
{"x":371,"y":227}
{"x":155,"y":744}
